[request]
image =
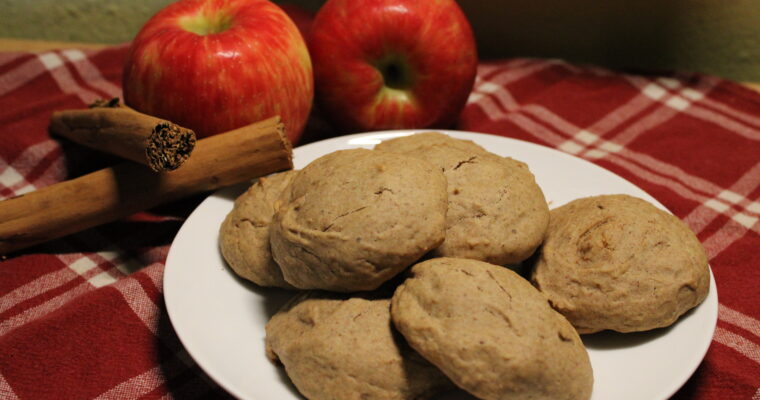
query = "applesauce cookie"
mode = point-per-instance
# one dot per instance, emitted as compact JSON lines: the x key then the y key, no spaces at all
{"x":412,"y":143}
{"x":353,"y":219}
{"x":491,"y":332}
{"x":497,"y":213}
{"x":617,"y":262}
{"x":334,"y":347}
{"x":244,"y":234}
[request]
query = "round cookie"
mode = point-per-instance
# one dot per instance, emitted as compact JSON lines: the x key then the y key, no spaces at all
{"x":353,"y":219}
{"x":412,"y":143}
{"x":244,"y":234}
{"x":345,"y":348}
{"x":497,"y":213}
{"x":617,"y":262}
{"x":491,"y":332}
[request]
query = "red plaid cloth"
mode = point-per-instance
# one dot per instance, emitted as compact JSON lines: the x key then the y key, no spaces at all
{"x":84,"y":317}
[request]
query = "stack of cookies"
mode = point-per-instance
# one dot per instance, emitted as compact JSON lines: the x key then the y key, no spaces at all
{"x":400,"y":258}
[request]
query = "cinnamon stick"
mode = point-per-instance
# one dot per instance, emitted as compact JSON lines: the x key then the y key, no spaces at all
{"x":112,"y":193}
{"x":109,"y":127}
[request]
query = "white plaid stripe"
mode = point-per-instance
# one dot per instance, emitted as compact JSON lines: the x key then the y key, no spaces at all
{"x":740,"y":202}
{"x":732,"y":112}
{"x":757,"y":395}
{"x":669,"y":83}
{"x":486,"y":68}
{"x":10,"y":177}
{"x":735,"y":121}
{"x":652,"y":90}
{"x":560,"y":124}
{"x":647,"y":175}
{"x":142,"y":384}
{"x":643,"y":124}
{"x":739,"y":319}
{"x":149,"y":313}
{"x":525,"y":68}
{"x":13,"y":176}
{"x":90,"y":73}
{"x":62,"y":76}
{"x":55,"y":172}
{"x":95,"y":279}
{"x":625,"y":112}
{"x":56,"y":64}
{"x":41,"y":310}
{"x":727,"y":202}
{"x":494,"y":112}
{"x":580,"y":138}
{"x":511,"y":72}
{"x":727,"y":122}
{"x":36,"y":287}
{"x":6,"y":391}
{"x":101,"y":279}
{"x":739,"y":343}
{"x":727,"y":235}
{"x":97,"y":269}
{"x":147,"y":310}
{"x":156,"y":275}
{"x":695,"y":183}
{"x":74,"y":265}
{"x":20,"y":75}
{"x":143,"y":307}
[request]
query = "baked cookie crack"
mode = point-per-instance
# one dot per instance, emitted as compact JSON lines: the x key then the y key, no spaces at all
{"x":470,"y":160}
{"x":327,"y":228}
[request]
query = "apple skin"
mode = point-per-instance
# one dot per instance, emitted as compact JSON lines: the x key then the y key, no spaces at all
{"x":216,"y":65}
{"x":392,"y":64}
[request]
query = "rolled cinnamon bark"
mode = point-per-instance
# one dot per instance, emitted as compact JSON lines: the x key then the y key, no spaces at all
{"x":112,"y":128}
{"x":112,"y":193}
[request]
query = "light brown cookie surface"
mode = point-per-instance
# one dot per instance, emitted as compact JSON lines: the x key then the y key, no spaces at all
{"x":412,"y":143}
{"x":244,"y":234}
{"x":490,"y":332}
{"x":617,"y":262}
{"x":355,"y":218}
{"x":497,"y":213}
{"x":334,"y":347}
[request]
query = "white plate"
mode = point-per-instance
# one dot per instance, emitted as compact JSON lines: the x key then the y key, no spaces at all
{"x":220,"y":319}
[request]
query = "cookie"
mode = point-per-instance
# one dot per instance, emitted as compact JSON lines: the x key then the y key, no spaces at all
{"x":353,"y":219}
{"x":412,"y":143}
{"x":244,"y":234}
{"x":497,"y":212}
{"x":491,"y":332}
{"x":617,"y":262}
{"x":334,"y":347}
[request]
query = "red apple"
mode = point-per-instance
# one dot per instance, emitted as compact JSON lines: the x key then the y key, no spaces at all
{"x":216,"y":65}
{"x":388,"y":64}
